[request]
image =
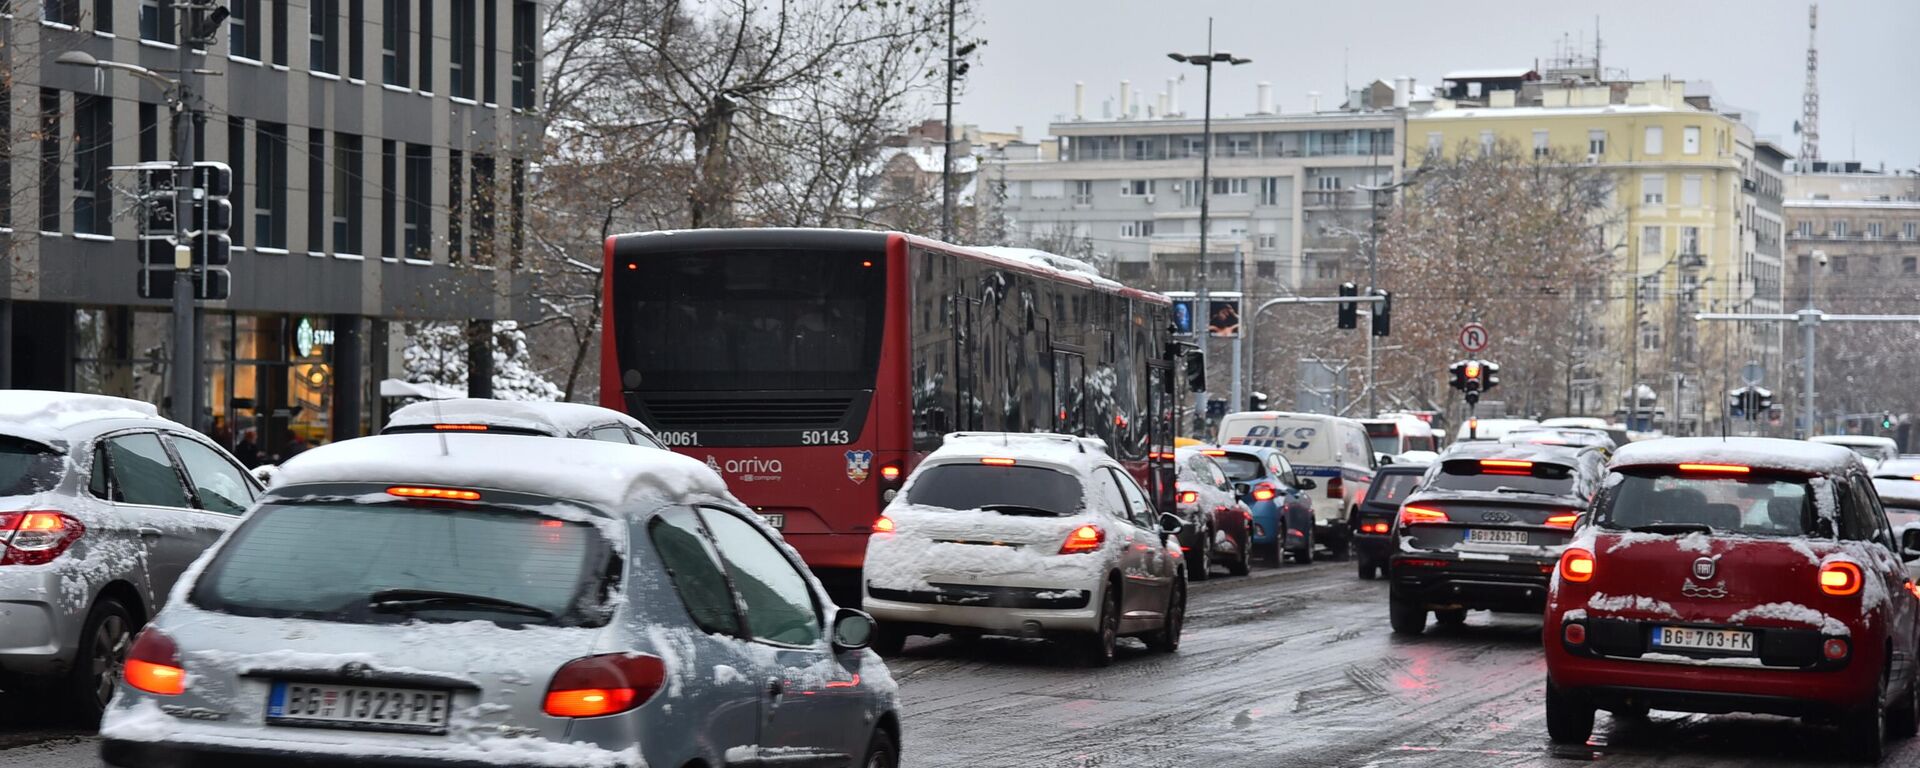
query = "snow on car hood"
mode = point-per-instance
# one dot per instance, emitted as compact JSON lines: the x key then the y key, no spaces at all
{"x":924,"y":543}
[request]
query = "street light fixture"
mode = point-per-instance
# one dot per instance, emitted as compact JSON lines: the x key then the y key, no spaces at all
{"x":1206,"y":61}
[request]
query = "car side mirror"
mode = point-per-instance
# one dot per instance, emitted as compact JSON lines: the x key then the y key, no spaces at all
{"x":852,"y":630}
{"x":1910,"y":544}
{"x":1307,"y":484}
{"x":1171,"y":523}
{"x":1242,"y":489}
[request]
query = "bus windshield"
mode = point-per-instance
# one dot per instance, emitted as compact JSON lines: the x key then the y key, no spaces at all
{"x":750,"y":320}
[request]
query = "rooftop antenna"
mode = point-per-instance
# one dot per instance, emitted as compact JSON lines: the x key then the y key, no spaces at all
{"x":1810,"y":100}
{"x":1598,"y":71}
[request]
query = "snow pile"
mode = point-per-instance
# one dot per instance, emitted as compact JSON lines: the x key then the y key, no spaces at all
{"x":1762,"y":452}
{"x":436,"y":353}
{"x":1605,"y":603}
{"x":41,"y":415}
{"x":1793,"y":613}
{"x":550,"y":418}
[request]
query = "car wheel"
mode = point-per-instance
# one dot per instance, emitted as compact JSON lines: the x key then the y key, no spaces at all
{"x":1304,"y":555}
{"x":887,"y":641}
{"x":882,"y":752}
{"x":1451,"y":617}
{"x":1097,"y":648}
{"x":1569,"y":717}
{"x":1368,"y":570}
{"x":1904,"y":718}
{"x":1167,"y":639}
{"x":1406,"y":616}
{"x":1243,"y":565}
{"x":1865,"y":730}
{"x":1340,"y":547}
{"x":105,"y":639}
{"x":1200,"y":558}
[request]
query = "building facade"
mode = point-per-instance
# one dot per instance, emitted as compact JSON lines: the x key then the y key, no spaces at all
{"x":380,"y":155}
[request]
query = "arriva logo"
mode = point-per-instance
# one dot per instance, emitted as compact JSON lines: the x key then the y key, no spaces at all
{"x":749,"y":469}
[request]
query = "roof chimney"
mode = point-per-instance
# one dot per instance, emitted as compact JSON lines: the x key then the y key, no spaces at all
{"x":1126,"y":106}
{"x":1402,"y":92}
{"x":1079,"y":101}
{"x":1263,"y":98}
{"x":1163,"y":105}
{"x":1173,"y":96}
{"x":1134,"y":99}
{"x":1313,"y":102}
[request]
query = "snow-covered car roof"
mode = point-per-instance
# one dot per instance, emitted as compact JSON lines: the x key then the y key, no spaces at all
{"x":1080,"y":454}
{"x":1536,"y":452}
{"x":1865,"y":441}
{"x":44,"y":416}
{"x":1760,"y":452}
{"x":1903,"y":468}
{"x":552,"y":419}
{"x":610,"y":475}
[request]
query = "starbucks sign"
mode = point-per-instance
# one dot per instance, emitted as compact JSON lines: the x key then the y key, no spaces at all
{"x":307,"y":339}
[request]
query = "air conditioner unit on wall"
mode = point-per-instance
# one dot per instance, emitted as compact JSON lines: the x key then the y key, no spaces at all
{"x":1149,"y":199}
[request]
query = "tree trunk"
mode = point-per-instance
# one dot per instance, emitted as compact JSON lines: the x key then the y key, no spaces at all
{"x":710,"y":203}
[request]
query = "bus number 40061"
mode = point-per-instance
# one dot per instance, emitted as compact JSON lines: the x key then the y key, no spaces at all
{"x":824,"y":437}
{"x":678,"y":438}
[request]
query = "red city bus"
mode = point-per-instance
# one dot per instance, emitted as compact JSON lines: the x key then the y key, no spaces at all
{"x":813,"y":368}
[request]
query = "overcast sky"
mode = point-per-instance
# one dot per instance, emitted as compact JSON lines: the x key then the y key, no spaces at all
{"x":1753,"y":51}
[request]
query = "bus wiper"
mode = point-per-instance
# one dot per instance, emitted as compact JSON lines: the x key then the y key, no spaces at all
{"x":1020,"y":509}
{"x":402,"y":599}
{"x":1672,"y":528}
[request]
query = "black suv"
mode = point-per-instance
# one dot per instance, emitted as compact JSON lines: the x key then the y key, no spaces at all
{"x":1372,"y":522}
{"x":1486,"y":529}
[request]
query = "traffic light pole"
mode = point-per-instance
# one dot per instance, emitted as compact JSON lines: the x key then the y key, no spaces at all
{"x":186,"y":352}
{"x":1251,"y":323}
{"x":1809,"y":319}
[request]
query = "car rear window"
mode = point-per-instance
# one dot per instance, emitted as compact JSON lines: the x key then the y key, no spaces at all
{"x":1392,"y":487}
{"x":328,"y":560}
{"x":1241,"y":467}
{"x":27,"y":467}
{"x":1762,"y":505}
{"x":1016,"y":489}
{"x":1477,"y":475}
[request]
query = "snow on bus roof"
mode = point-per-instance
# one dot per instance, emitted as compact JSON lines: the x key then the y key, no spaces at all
{"x":604,"y":474}
{"x":1761,"y":452}
{"x":558,"y":419}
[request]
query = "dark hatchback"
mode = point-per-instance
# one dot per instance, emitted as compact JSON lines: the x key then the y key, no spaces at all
{"x":1373,"y":519}
{"x":1486,"y":529}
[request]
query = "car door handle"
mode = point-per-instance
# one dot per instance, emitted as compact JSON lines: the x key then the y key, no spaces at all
{"x":148,"y":532}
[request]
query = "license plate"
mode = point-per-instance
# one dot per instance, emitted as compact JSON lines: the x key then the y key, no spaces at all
{"x":1688,"y":638}
{"x":358,"y":706}
{"x":1485,"y":536}
{"x":775,"y":521}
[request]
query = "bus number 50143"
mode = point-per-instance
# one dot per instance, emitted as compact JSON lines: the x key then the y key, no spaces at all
{"x":678,"y":438}
{"x":825,"y":437}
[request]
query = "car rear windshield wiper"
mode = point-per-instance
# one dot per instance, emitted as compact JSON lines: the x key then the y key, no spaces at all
{"x":1020,"y":509}
{"x":1529,"y":491}
{"x":1672,"y":528}
{"x":402,"y":599}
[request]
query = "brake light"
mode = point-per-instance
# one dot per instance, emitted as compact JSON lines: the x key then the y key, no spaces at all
{"x":1564,"y":521}
{"x":1722,"y":469}
{"x":889,"y":472}
{"x":603,"y":685}
{"x":1421,"y":563}
{"x":153,"y":664}
{"x":461,"y":427}
{"x":414,"y":492}
{"x":1410,"y":515}
{"x":996,"y":461}
{"x":1576,"y":565}
{"x":36,"y":538}
{"x":1337,"y":488}
{"x":1375,"y":528}
{"x":1505,"y":467}
{"x":883,"y":525}
{"x":1086,"y":538}
{"x":1263,"y":492}
{"x":1574,"y":633}
{"x":1187,"y":497}
{"x":1840,"y":578}
{"x":1213,"y":452}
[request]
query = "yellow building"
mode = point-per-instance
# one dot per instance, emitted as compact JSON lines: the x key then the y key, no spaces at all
{"x":1679,"y":229}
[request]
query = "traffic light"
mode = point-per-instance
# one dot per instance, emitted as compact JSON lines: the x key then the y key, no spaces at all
{"x":1886,"y":421}
{"x":212,"y":248}
{"x":1349,"y":311}
{"x":1491,"y":378}
{"x":1737,"y":402}
{"x":1196,"y":370}
{"x":1383,"y":313}
{"x":209,"y":251}
{"x":1257,"y":401}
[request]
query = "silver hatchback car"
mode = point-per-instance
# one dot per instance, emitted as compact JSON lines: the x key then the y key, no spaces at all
{"x":103,"y":504}
{"x":462,"y":599}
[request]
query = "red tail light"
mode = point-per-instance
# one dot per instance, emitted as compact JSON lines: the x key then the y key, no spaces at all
{"x":1187,"y":497}
{"x":1337,"y":488}
{"x":1718,"y":469}
{"x":1375,"y":528}
{"x":1505,"y":467}
{"x":1575,"y":633}
{"x":883,"y":525}
{"x":607,"y":684}
{"x":153,"y":664}
{"x":36,"y":538}
{"x":889,"y":472}
{"x":1840,"y":578}
{"x":1264,"y":492}
{"x":1213,"y":452}
{"x":1564,"y":520}
{"x":1576,"y":565}
{"x":996,"y":461}
{"x":415,"y":492}
{"x":1086,"y":538}
{"x":1411,"y":514}
{"x":461,"y":427}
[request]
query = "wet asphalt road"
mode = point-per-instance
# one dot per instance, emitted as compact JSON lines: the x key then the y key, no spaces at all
{"x":1292,"y":666}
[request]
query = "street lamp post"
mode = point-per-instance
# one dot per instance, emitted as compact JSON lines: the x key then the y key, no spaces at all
{"x":1206,"y":61}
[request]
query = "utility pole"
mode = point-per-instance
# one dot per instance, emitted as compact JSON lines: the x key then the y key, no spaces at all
{"x":1206,"y":60}
{"x":186,"y":357}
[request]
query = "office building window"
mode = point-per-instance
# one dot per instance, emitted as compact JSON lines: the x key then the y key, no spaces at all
{"x":103,"y":16}
{"x":237,"y":160}
{"x":456,"y":210}
{"x":323,"y":36}
{"x":1909,"y":265}
{"x":270,"y":185}
{"x":1083,"y":193}
{"x":1690,"y":240}
{"x":1136,"y":229}
{"x":356,"y":39}
{"x":1840,"y":228}
{"x":415,"y":225}
{"x":280,"y":39}
{"x":1267,"y":242}
{"x":460,"y":50}
{"x":1874,"y":229}
{"x":395,"y":43}
{"x":1136,"y":187}
{"x":1263,"y":268}
{"x":1656,"y":140}
{"x":1596,"y":144}
{"x":243,"y":29}
{"x":316,"y":190}
{"x":483,"y":208}
{"x":1230,"y":186}
{"x":1909,"y":230}
{"x":1486,"y":143}
{"x":156,"y":21}
{"x":1540,"y":147}
{"x":49,"y":160}
{"x":1690,"y":140}
{"x":1435,"y":142}
{"x":1653,"y":189}
{"x":148,"y":115}
{"x":1270,"y":190}
{"x":425,"y":29}
{"x":347,"y":194}
{"x":92,"y":155}
{"x":1690,"y":191}
{"x":389,"y":198}
{"x":61,"y":11}
{"x":525,"y":37}
{"x":1653,"y":241}
{"x":1805,"y":229}
{"x":489,"y":49}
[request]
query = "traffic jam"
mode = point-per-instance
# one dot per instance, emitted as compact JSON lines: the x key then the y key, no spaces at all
{"x":869,"y":499}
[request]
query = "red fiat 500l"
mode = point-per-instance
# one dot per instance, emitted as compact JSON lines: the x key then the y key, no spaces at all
{"x":1745,"y":575}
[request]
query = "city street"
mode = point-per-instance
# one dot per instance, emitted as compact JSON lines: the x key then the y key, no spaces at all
{"x":1292,"y":666}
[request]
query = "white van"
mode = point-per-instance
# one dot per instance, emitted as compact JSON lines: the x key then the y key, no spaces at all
{"x":1332,"y":449}
{"x":1395,"y":434}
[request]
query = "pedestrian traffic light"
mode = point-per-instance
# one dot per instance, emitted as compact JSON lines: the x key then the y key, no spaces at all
{"x":1383,"y":313}
{"x":1886,"y":421}
{"x":1349,"y":311}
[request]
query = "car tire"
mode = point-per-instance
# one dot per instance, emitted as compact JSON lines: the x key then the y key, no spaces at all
{"x":1243,"y":565}
{"x":105,"y":639}
{"x":1167,"y":638}
{"x":1569,"y":717}
{"x":1451,"y":617}
{"x":1304,"y":555}
{"x":1097,"y":647}
{"x":1406,"y":616}
{"x":887,"y":641}
{"x":1368,"y":569}
{"x":1340,"y":547}
{"x":1903,"y":719}
{"x":1200,"y":558}
{"x":881,"y":751}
